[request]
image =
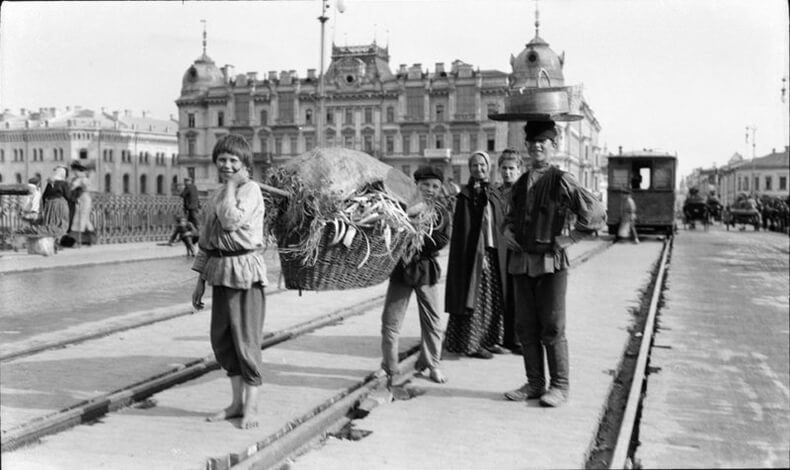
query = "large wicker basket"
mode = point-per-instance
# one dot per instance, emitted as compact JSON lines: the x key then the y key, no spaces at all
{"x":338,"y":267}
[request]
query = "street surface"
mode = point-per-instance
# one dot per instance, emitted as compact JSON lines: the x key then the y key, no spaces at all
{"x":46,"y":300}
{"x":720,"y":392}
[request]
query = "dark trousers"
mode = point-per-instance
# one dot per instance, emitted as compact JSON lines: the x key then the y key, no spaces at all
{"x":510,"y":335}
{"x":237,"y":331}
{"x":192,"y":216}
{"x":540,"y":323}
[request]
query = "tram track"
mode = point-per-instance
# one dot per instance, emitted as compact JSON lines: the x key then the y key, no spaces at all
{"x":334,"y":408}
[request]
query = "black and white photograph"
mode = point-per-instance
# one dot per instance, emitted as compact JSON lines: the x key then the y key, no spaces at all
{"x":394,"y":234}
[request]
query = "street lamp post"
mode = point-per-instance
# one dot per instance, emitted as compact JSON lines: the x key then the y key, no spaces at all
{"x":321,"y":112}
{"x":753,"y":130}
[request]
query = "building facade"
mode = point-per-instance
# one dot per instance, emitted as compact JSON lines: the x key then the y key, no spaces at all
{"x":405,"y":118}
{"x":768,"y":175}
{"x":130,"y":154}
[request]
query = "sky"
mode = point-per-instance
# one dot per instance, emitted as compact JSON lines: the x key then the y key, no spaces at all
{"x":683,"y":76}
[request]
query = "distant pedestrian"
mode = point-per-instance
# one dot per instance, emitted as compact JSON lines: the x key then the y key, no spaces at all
{"x":83,"y":203}
{"x":420,"y":275}
{"x":510,"y":166}
{"x":31,"y":208}
{"x":474,"y":295}
{"x":540,"y":201}
{"x":56,"y":207}
{"x":627,"y":228}
{"x":230,"y":260}
{"x":191,"y":200}
{"x":185,"y":232}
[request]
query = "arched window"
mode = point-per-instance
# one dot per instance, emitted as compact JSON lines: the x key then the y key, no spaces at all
{"x":126,"y":183}
{"x":143,"y":181}
{"x":160,"y":184}
{"x":108,"y":183}
{"x":308,"y":116}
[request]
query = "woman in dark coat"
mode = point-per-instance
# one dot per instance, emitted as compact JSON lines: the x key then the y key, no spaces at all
{"x":474,"y":295}
{"x":56,"y":207}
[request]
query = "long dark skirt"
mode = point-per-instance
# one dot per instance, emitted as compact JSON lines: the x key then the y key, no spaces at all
{"x":56,"y":216}
{"x":483,"y":328}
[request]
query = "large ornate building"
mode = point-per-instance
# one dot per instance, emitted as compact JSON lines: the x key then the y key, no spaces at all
{"x":130,"y":154}
{"x":407,"y":117}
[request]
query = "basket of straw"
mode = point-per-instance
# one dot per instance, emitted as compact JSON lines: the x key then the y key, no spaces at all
{"x":345,"y":221}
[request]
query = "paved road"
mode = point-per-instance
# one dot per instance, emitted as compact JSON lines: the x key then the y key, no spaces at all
{"x":721,"y":393}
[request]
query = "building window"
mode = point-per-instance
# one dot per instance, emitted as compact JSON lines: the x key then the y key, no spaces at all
{"x":756,"y":183}
{"x":126,"y":183}
{"x":768,"y":183}
{"x":456,"y":143}
{"x":308,"y":116}
{"x":278,"y":145}
{"x":191,"y":120}
{"x":221,"y":119}
{"x":109,"y":155}
{"x":490,"y":142}
{"x":285,"y":108}
{"x":143,"y":183}
{"x":83,"y":154}
{"x":472,"y":142}
{"x":308,"y":143}
{"x":782,"y":183}
{"x":160,"y":184}
{"x":465,"y":99}
{"x":264,"y":145}
{"x":491,"y":108}
{"x":330,"y":117}
{"x":406,"y":144}
{"x":389,"y":144}
{"x":368,"y":143}
{"x":294,"y":149}
{"x":390,"y":114}
{"x":107,"y":183}
{"x":439,"y":113}
{"x":349,"y":117}
{"x":264,"y":117}
{"x":439,"y":141}
{"x":241,"y":108}
{"x":348,"y":141}
{"x":368,"y":115}
{"x":191,"y":147}
{"x":2,"y":155}
{"x":191,"y":172}
{"x":18,"y":178}
{"x":423,"y":143}
{"x":414,"y":104}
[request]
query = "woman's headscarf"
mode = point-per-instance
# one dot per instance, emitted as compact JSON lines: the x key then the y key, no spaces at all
{"x":59,"y":173}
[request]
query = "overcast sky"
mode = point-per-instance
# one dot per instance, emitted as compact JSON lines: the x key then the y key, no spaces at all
{"x":685,"y":76}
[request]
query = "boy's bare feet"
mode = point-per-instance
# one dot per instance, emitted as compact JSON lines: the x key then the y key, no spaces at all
{"x":233,"y":411}
{"x":250,"y":419}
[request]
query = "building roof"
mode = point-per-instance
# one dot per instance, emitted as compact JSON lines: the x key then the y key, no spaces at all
{"x":84,"y":117}
{"x":774,"y":159}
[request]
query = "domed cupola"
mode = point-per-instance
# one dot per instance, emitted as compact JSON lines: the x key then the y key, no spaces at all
{"x":537,"y":65}
{"x":202,"y":74}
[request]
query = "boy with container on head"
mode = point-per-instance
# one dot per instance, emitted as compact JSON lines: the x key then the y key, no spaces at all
{"x":420,"y":274}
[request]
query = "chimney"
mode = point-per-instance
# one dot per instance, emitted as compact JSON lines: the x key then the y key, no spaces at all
{"x":272,"y":75}
{"x":252,"y":76}
{"x":402,"y":68}
{"x":311,"y":74}
{"x":439,"y":67}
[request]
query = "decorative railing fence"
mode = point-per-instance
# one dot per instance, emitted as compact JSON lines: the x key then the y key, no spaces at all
{"x":116,"y":218}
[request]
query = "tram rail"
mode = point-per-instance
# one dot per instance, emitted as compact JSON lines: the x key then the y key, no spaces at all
{"x":327,"y":414}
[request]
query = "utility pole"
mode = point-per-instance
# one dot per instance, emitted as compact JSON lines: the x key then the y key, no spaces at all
{"x":753,"y":130}
{"x":321,"y":111}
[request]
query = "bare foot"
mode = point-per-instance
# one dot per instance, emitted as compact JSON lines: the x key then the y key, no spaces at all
{"x":233,"y":411}
{"x":250,"y":419}
{"x":437,"y":376}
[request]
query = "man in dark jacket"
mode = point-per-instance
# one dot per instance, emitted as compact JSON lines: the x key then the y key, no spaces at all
{"x":191,"y":201}
{"x":420,"y":274}
{"x":539,"y":203}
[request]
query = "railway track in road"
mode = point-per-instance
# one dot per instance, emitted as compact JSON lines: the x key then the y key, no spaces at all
{"x":284,"y":441}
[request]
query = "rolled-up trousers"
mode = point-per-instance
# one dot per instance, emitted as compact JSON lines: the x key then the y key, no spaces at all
{"x":395,"y":304}
{"x":540,"y":325}
{"x":237,"y":331}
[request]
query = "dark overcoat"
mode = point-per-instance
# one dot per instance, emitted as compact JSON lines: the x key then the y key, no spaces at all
{"x":467,"y":220}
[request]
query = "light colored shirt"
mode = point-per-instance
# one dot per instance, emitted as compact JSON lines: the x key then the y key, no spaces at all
{"x":232,"y":227}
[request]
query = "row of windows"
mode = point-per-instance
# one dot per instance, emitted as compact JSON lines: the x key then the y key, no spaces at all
{"x":414,"y":112}
{"x":38,"y":155}
{"x":743,"y":183}
{"x":125,"y":183}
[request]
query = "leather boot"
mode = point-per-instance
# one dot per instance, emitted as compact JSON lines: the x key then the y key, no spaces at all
{"x":533,"y":364}
{"x":559,"y":364}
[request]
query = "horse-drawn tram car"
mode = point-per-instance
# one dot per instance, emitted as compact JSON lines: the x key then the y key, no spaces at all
{"x":650,"y":178}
